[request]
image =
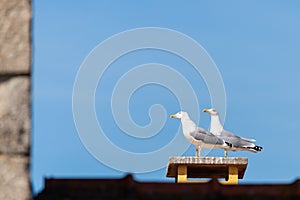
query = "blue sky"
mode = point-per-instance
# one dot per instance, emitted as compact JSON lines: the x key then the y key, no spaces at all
{"x":254,"y":44}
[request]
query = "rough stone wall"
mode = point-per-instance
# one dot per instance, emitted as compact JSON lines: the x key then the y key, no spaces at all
{"x":15,"y":123}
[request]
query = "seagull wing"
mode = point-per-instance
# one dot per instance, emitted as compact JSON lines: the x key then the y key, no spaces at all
{"x":235,"y":140}
{"x":249,"y":140}
{"x":206,"y":136}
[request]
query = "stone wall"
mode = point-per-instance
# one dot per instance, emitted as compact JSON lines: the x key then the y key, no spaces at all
{"x":15,"y":123}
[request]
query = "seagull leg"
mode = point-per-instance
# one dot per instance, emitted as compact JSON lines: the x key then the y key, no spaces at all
{"x":225,"y":153}
{"x":199,"y":151}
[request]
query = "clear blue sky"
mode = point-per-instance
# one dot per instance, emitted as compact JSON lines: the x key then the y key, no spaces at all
{"x":255,"y":45}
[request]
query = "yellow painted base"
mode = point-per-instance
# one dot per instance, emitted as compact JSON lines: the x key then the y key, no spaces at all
{"x":182,"y":176}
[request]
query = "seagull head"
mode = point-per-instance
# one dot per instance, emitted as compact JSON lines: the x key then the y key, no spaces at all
{"x":177,"y":115}
{"x":211,"y":111}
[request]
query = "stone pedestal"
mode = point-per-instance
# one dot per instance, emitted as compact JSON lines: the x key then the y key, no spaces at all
{"x":182,"y":168}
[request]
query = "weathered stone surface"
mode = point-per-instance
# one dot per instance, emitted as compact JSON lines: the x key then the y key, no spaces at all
{"x":15,"y":48}
{"x":192,"y":160}
{"x":15,"y":115}
{"x":14,"y":177}
{"x":15,"y":64}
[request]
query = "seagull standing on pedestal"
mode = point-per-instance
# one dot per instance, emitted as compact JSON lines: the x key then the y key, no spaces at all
{"x":238,"y":143}
{"x":199,"y":137}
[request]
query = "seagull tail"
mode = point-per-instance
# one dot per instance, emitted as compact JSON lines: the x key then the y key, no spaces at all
{"x":256,"y":148}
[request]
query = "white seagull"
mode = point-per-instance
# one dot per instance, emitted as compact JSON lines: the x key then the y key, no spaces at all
{"x":199,"y":137}
{"x":238,"y":143}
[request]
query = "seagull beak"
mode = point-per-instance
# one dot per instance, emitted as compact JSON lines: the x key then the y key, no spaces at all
{"x":205,"y":110}
{"x":173,"y":116}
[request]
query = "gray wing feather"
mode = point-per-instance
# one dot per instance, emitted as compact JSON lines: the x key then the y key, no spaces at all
{"x":235,"y":140}
{"x":206,"y":136}
{"x":249,"y":140}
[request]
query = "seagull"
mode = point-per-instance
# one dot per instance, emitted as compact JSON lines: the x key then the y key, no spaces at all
{"x":199,"y":137}
{"x":238,"y":143}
